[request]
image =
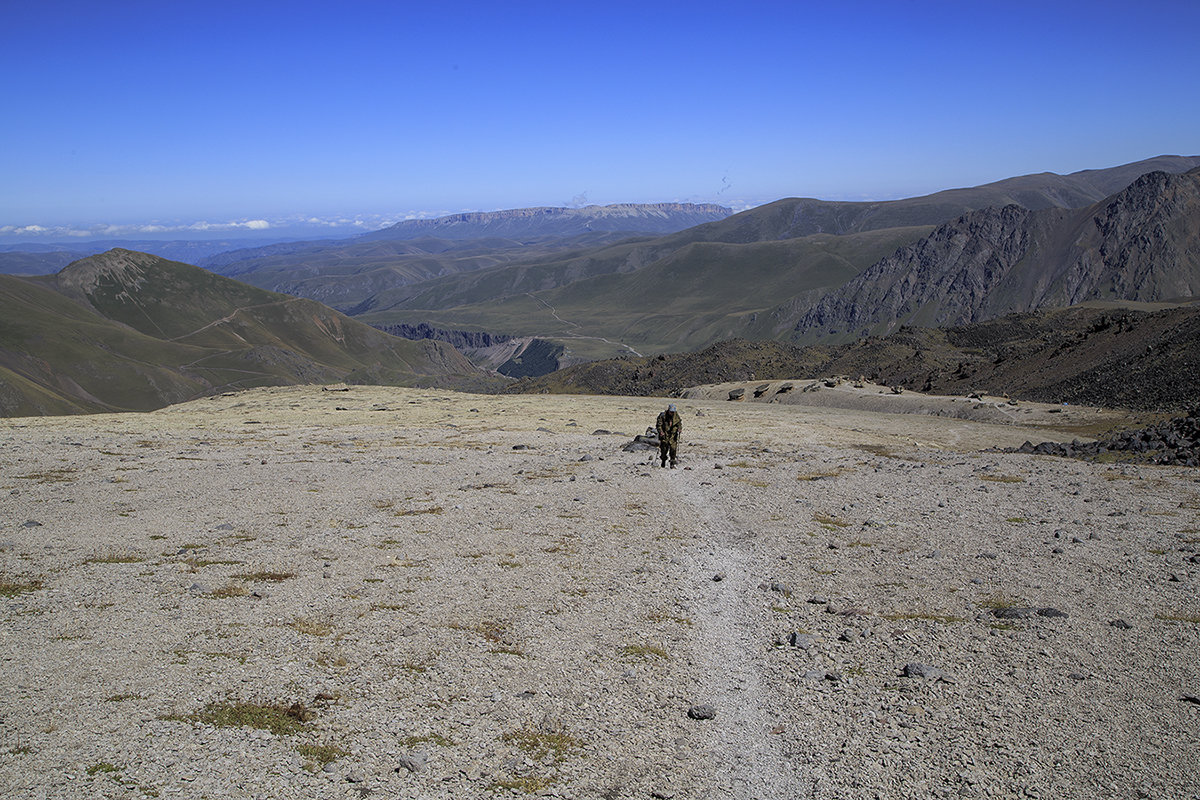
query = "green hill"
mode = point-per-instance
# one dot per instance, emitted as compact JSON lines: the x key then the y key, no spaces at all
{"x":130,"y":331}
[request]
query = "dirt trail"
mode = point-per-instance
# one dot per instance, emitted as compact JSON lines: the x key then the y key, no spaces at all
{"x":746,"y":758}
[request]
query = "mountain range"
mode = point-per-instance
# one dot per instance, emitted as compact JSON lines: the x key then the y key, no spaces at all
{"x":527,"y":291}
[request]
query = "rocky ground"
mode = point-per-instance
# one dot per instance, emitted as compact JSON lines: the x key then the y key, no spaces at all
{"x":409,"y":594}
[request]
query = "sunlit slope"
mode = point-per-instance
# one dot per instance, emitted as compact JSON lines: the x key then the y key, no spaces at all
{"x":693,"y":295}
{"x":126,"y":330}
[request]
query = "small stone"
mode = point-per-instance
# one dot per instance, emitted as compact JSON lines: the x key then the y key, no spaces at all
{"x":354,"y":776}
{"x":818,"y":600}
{"x":781,"y":588}
{"x":1120,"y":623}
{"x":1077,"y":676}
{"x":800,"y":640}
{"x":1057,"y":550}
{"x":224,"y":526}
{"x":915,"y":670}
{"x":31,"y":523}
{"x":1049,"y":611}
{"x":413,"y":762}
{"x":989,"y":555}
{"x":814,"y":675}
{"x":720,"y":576}
{"x":703,"y":711}
{"x":1191,"y":698}
{"x":520,"y":447}
{"x":587,"y":457}
{"x":848,"y":635}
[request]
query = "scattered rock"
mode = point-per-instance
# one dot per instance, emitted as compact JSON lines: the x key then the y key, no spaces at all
{"x":1077,"y":676}
{"x":703,"y":711}
{"x":413,"y":762}
{"x":31,"y":523}
{"x":720,"y":576}
{"x":801,"y":640}
{"x":520,"y":447}
{"x":1120,"y":623}
{"x":927,"y":671}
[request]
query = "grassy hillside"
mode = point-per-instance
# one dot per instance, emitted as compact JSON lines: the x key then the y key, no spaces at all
{"x":689,"y":297}
{"x":130,"y":331}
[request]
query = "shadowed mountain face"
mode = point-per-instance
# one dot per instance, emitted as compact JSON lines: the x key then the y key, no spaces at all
{"x":130,"y":331}
{"x":1141,"y":245}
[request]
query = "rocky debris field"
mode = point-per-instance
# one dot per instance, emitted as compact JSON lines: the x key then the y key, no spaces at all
{"x":411,"y":594}
{"x":1175,"y":442}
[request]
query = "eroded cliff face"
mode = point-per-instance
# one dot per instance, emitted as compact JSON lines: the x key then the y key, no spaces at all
{"x":1142,"y":244}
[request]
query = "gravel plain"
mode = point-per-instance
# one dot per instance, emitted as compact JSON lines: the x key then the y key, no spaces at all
{"x":398,"y":593}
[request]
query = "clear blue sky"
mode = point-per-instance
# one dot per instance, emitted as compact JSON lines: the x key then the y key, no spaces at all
{"x":128,"y":112}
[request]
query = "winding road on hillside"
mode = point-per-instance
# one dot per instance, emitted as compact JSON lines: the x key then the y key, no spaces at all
{"x":554,"y":313}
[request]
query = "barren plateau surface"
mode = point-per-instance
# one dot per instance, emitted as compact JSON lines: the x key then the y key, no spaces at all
{"x":396,"y":593}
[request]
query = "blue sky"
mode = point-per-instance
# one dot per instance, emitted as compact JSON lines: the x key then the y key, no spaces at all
{"x":246,"y":115}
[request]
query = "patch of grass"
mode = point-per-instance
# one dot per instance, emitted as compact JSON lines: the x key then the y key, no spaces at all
{"x":662,"y":616}
{"x":1005,"y":626}
{"x":830,"y":520}
{"x":538,"y":744}
{"x":318,"y":755}
{"x":740,"y":464}
{"x":818,"y":475}
{"x":102,"y":767}
{"x":311,"y":627}
{"x":386,"y":607}
{"x":412,"y":512}
{"x":117,"y":698}
{"x":508,"y":562}
{"x":13,"y":588}
{"x":263,"y":575}
{"x":1001,"y":478}
{"x":60,"y":475}
{"x":1192,"y":618}
{"x":230,"y":590}
{"x":881,"y":450}
{"x":751,"y":482}
{"x":644,"y":651}
{"x":278,"y":719}
{"x":1017,"y":520}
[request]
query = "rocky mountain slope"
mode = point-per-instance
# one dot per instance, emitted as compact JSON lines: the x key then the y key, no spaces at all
{"x":743,"y":276}
{"x":1081,"y":356}
{"x":131,"y":331}
{"x":1142,"y":245}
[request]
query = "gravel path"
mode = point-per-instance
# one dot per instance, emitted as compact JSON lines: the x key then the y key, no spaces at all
{"x":413,"y":594}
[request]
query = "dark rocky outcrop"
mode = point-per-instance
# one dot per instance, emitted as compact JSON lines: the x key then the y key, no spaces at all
{"x":461,"y":340}
{"x":1175,"y":443}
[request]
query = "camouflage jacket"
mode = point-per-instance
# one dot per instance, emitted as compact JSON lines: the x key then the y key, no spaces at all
{"x":668,"y":426}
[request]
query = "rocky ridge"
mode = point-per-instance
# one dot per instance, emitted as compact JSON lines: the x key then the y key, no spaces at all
{"x":1138,"y":245}
{"x":1175,"y":442}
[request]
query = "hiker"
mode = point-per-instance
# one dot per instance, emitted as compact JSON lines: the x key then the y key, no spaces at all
{"x":668,"y":426}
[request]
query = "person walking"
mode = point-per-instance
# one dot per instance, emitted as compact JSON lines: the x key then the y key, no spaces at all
{"x":668,"y":426}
